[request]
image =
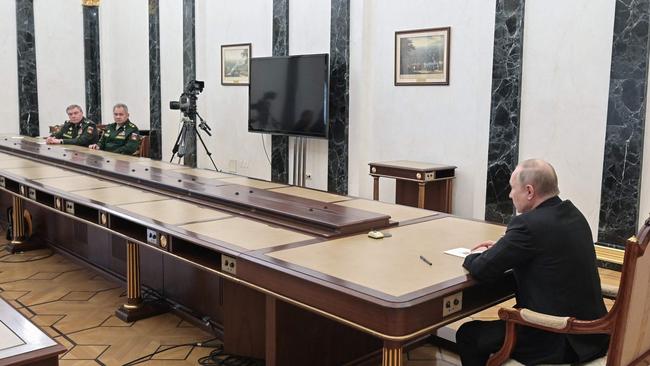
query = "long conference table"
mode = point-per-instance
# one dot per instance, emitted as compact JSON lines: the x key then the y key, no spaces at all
{"x":281,"y":273}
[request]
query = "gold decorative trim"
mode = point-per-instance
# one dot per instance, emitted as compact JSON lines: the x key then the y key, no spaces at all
{"x":611,"y":255}
{"x":163,"y":241}
{"x":90,"y":2}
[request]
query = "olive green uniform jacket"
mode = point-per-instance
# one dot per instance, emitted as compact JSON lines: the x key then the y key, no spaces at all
{"x":123,"y":139}
{"x":84,"y":133}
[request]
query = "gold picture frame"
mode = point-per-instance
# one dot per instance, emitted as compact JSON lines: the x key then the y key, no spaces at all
{"x":235,"y":64}
{"x":422,"y":56}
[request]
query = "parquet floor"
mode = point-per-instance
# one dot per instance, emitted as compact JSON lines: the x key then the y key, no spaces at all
{"x":75,"y":305}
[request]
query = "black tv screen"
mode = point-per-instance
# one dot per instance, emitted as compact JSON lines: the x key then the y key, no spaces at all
{"x":288,"y":95}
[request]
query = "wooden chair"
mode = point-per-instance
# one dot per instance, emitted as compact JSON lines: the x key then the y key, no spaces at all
{"x":54,"y":129}
{"x":143,"y":150}
{"x":627,"y":323}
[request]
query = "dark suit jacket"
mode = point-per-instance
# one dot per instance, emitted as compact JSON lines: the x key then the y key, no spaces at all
{"x":551,"y":253}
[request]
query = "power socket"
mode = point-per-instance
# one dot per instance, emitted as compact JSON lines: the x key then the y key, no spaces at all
{"x":452,"y":304}
{"x":228,"y":264}
{"x":152,"y":237}
{"x":69,"y":207}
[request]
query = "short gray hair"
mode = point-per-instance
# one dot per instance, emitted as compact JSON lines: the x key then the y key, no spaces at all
{"x":121,"y":105}
{"x":540,"y":175}
{"x":73,"y":106}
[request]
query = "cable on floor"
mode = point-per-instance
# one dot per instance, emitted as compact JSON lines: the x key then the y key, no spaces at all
{"x":218,"y":357}
{"x":161,"y":350}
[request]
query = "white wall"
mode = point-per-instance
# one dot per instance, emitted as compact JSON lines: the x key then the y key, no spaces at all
{"x":361,"y":41}
{"x":171,"y":70}
{"x":124,"y":45}
{"x":225,"y":108}
{"x":438,"y":124}
{"x":59,"y":59}
{"x":309,"y":32}
{"x":8,"y":69}
{"x":644,"y":205}
{"x":567,"y":58}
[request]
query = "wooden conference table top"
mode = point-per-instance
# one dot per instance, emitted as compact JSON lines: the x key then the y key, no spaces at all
{"x":386,"y":274}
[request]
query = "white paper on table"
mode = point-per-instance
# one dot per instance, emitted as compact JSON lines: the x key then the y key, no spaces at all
{"x":458,"y":252}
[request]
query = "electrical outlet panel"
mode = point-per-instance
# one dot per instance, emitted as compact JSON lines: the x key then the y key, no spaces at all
{"x":69,"y":207}
{"x":452,"y":304}
{"x":228,"y":264}
{"x":31,"y":193}
{"x":152,"y":237}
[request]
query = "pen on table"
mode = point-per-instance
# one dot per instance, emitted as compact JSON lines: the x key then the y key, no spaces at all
{"x":426,"y":261}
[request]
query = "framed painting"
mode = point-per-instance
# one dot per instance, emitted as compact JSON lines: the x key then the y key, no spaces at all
{"x":422,"y":57}
{"x":235,"y":64}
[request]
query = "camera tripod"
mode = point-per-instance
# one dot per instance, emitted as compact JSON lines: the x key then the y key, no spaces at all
{"x":189,"y":126}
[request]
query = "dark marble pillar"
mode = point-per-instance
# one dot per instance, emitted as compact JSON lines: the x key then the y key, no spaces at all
{"x":27,"y":85}
{"x":92,"y":64}
{"x":621,"y":183}
{"x":280,"y":144}
{"x":339,"y":98}
{"x":189,"y":73}
{"x":155,"y":125}
{"x":503,"y":149}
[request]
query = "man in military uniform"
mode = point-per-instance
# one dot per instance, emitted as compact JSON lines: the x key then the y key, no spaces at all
{"x":78,"y":130}
{"x":121,"y":137}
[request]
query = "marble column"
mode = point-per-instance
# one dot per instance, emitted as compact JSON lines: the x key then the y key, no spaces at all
{"x":503,"y":148}
{"x":280,"y":144}
{"x":92,"y":68}
{"x":621,"y":182}
{"x":155,"y":125}
{"x":27,"y":85}
{"x":339,"y":98}
{"x":189,"y":74}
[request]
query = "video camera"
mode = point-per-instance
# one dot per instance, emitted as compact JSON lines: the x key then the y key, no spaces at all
{"x":186,"y":103}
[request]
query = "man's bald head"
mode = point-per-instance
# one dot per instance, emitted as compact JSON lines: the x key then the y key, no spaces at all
{"x":532,"y":182}
{"x":540,"y":175}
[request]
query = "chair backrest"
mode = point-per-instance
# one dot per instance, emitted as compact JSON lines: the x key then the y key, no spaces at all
{"x":630,"y":340}
{"x":143,"y":150}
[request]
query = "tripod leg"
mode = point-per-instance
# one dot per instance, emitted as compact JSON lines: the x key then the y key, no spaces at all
{"x":206,"y":149}
{"x":181,"y":136}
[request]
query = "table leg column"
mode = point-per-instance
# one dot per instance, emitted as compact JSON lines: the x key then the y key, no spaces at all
{"x":421,"y":189}
{"x":19,"y":241}
{"x":391,"y":354}
{"x":135,"y":308}
{"x":375,"y":188}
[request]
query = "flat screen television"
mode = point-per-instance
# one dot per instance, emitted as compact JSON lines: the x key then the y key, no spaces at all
{"x":288,"y":95}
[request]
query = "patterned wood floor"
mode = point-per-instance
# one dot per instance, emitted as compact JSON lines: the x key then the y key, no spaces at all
{"x":75,"y":305}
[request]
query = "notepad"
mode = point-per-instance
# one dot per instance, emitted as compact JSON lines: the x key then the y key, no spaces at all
{"x":458,"y":252}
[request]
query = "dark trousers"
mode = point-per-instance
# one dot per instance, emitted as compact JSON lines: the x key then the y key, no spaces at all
{"x":477,"y":340}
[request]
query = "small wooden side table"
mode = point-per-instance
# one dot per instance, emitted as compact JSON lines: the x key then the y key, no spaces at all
{"x":418,"y":184}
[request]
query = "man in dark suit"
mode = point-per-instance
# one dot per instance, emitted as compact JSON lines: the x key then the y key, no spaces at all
{"x":549,"y":247}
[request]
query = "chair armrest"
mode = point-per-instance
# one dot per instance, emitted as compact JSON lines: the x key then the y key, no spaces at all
{"x":556,"y":324}
{"x":535,"y":319}
{"x":609,"y":291}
